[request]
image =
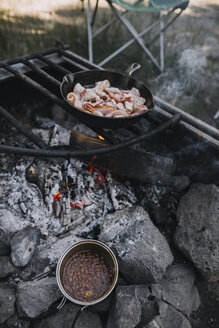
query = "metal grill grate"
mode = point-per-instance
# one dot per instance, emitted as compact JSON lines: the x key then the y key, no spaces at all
{"x":165,"y":115}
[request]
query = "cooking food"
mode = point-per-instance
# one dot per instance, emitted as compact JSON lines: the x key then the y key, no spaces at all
{"x":86,"y":277}
{"x":107,"y":101}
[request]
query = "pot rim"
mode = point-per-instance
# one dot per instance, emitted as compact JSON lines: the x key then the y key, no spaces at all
{"x":62,"y":257}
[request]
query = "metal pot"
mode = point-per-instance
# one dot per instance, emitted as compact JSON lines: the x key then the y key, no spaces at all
{"x":101,"y":249}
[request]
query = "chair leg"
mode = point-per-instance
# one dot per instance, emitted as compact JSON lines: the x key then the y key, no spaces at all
{"x":161,"y":43}
{"x":89,"y":32}
{"x":134,"y":33}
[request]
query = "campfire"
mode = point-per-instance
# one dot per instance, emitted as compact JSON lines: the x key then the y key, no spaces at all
{"x":148,"y":191}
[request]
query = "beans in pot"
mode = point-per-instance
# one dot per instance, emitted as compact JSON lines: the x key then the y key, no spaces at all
{"x":86,"y":276}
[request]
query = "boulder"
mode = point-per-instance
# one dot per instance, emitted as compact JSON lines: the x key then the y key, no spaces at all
{"x":198,"y":225}
{"x":177,"y":288}
{"x":5,"y":248}
{"x":7,"y":300}
{"x":131,"y":307}
{"x":169,"y":317}
{"x":65,"y":316}
{"x":14,"y":322}
{"x":142,"y":251}
{"x":23,"y":245}
{"x":6,"y":267}
{"x":35,"y":297}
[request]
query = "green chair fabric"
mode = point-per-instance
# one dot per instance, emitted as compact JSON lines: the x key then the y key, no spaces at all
{"x":150,"y":5}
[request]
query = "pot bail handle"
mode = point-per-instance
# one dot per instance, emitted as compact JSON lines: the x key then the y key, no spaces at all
{"x":132,"y":68}
{"x":77,"y":315}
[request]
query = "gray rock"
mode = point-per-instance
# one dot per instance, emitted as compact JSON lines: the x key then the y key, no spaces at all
{"x":142,"y":251}
{"x":7,"y":300}
{"x":103,"y":306}
{"x":131,"y":307}
{"x":65,"y":316}
{"x":126,"y":311}
{"x":6,"y":267}
{"x":178,"y":289}
{"x":54,"y":251}
{"x":5,"y":248}
{"x":35,"y":297}
{"x":169,"y":317}
{"x":193,"y":59}
{"x":179,"y":183}
{"x":198,"y":225}
{"x":23,"y":244}
{"x":14,"y":322}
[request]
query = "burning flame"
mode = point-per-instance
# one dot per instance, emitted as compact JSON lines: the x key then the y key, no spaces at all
{"x":57,"y":196}
{"x":100,"y":137}
{"x":91,"y":167}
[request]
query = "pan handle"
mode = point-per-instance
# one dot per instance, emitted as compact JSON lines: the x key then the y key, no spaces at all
{"x":69,"y":78}
{"x":132,"y":68}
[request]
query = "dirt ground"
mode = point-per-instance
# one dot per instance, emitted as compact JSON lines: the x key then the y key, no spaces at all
{"x":29,"y":26}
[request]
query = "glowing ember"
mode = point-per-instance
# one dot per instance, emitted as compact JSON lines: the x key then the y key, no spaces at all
{"x":57,"y":196}
{"x":91,"y":167}
{"x":100,"y":137}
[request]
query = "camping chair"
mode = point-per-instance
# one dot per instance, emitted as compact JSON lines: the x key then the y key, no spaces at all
{"x":169,"y":6}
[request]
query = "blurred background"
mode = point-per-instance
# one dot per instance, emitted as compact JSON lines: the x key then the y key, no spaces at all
{"x":191,"y":76}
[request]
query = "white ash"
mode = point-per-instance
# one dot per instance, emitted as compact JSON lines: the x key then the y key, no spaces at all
{"x":87,"y":197}
{"x":17,"y":195}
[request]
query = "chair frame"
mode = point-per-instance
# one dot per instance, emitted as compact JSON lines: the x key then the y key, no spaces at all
{"x":136,"y":37}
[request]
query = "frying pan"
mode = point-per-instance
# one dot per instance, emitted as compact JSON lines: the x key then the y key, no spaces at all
{"x":118,"y":80}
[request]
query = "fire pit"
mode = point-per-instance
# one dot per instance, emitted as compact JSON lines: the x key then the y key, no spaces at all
{"x":148,"y":191}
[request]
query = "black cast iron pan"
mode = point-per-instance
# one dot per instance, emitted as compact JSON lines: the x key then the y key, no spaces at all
{"x":122,"y":81}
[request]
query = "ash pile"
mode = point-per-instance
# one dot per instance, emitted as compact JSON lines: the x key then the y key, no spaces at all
{"x":165,"y":238}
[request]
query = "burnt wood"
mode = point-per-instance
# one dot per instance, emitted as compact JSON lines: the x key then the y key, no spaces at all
{"x":130,"y":163}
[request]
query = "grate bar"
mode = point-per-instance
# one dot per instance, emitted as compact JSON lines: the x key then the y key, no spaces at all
{"x":32,"y":56}
{"x":51,"y":64}
{"x":42,"y":73}
{"x":25,"y":131}
{"x":78,"y":59}
{"x":204,"y":127}
{"x":46,"y":92}
{"x":79,"y":153}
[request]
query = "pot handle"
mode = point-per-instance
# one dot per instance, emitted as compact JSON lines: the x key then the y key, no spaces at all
{"x":132,"y":68}
{"x":77,"y":315}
